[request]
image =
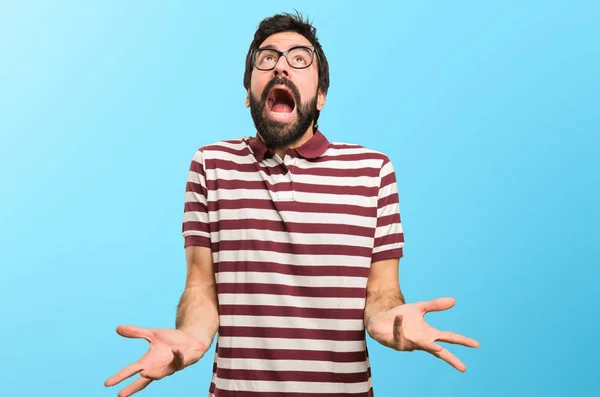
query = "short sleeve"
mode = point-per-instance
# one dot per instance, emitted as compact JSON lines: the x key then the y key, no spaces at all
{"x":389,"y":237}
{"x":196,"y":227}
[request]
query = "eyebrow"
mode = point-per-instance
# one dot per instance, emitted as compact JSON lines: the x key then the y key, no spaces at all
{"x":272,"y":47}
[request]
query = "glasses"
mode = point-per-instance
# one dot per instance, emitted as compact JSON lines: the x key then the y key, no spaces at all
{"x":297,"y":57}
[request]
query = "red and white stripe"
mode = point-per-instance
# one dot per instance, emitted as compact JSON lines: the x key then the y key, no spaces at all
{"x":292,"y":252}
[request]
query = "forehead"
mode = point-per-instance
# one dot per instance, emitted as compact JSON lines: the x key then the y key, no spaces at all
{"x":284,"y":40}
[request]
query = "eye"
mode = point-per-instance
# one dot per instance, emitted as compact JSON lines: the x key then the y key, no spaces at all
{"x":299,"y":60}
{"x":300,"y":57}
{"x":265,"y":58}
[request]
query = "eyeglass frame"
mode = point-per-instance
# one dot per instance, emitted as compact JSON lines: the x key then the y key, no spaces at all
{"x":285,"y":54}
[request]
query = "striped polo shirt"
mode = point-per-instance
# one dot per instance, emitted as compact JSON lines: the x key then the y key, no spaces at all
{"x":292,"y":242}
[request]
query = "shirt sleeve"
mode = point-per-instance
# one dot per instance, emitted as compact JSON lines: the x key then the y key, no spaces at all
{"x":196,"y":226}
{"x":389,"y":237}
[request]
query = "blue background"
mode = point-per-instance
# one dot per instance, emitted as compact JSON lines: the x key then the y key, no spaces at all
{"x":489,"y":111}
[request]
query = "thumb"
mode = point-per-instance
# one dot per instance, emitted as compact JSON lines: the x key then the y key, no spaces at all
{"x":397,"y":327}
{"x":178,"y":358}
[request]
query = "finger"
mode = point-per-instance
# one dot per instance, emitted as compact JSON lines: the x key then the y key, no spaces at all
{"x":451,"y":359}
{"x":430,"y":347}
{"x":131,"y":331}
{"x":159,"y":371}
{"x":125,"y":373}
{"x":178,"y":359}
{"x":134,"y":387}
{"x":397,"y":324}
{"x":438,"y":304}
{"x":452,"y":337}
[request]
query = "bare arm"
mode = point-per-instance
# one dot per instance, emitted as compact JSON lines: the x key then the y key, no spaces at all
{"x":197,"y":311}
{"x":401,"y":326}
{"x":171,"y":349}
{"x":383,"y":289}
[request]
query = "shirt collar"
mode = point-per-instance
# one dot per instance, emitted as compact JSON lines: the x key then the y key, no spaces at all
{"x":311,"y":149}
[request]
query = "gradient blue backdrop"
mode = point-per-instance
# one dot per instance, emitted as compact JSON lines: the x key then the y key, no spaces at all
{"x":489,"y":111}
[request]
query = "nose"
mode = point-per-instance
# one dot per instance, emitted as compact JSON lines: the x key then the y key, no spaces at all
{"x":282,"y":68}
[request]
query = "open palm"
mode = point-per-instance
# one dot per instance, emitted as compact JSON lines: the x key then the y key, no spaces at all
{"x":170,"y":350}
{"x":404,"y":328}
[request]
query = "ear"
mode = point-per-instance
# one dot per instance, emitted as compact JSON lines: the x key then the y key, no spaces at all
{"x":321,"y":96}
{"x":248,"y":98}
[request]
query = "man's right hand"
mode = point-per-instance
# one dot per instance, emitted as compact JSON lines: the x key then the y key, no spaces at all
{"x":170,"y":350}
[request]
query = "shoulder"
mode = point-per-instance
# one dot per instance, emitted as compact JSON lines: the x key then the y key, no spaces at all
{"x":226,"y":148}
{"x":216,"y":153}
{"x":216,"y":148}
{"x":354,"y":151}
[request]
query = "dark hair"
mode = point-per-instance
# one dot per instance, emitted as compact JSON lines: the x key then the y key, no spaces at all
{"x":286,"y":22}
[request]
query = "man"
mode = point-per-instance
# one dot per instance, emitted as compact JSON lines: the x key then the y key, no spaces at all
{"x":292,"y":245}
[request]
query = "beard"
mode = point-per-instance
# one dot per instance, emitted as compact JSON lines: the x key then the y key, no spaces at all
{"x":276,"y":133}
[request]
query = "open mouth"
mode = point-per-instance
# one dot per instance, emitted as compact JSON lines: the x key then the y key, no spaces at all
{"x":281,"y":101}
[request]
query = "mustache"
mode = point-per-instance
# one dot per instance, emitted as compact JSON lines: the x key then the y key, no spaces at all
{"x":278,"y":80}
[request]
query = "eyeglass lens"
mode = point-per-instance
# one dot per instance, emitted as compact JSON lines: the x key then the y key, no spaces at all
{"x":298,"y":58}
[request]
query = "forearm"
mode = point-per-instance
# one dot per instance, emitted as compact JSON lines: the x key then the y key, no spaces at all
{"x":197,"y":312}
{"x":381,"y":300}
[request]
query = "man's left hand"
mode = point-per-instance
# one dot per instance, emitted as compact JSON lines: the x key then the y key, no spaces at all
{"x":404,"y":328}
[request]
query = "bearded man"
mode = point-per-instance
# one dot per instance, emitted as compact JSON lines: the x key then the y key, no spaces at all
{"x":292,"y":246}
